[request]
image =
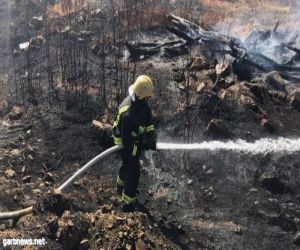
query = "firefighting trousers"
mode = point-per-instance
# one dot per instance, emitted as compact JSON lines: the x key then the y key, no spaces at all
{"x":129,"y":176}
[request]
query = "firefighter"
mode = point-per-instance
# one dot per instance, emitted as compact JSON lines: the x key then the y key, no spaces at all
{"x":133,"y":127}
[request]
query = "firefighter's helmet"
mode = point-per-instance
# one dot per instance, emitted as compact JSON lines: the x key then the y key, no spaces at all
{"x":141,"y":88}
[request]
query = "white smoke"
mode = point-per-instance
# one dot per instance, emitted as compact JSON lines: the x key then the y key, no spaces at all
{"x":261,"y":146}
{"x":256,"y":28}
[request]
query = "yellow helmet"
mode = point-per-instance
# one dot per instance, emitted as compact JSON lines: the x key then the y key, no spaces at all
{"x":142,"y":87}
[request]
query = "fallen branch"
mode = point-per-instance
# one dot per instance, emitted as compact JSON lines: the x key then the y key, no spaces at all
{"x":275,"y":65}
{"x":25,"y":128}
{"x":150,"y":49}
{"x":218,"y":42}
{"x":291,"y":48}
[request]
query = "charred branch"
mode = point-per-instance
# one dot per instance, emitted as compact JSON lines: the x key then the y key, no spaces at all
{"x":291,"y":48}
{"x":275,"y":65}
{"x":145,"y":50}
{"x":218,"y":42}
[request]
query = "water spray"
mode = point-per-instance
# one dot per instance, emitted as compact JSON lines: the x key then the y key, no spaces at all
{"x":262,"y":146}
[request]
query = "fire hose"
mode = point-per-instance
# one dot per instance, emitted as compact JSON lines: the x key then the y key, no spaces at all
{"x":28,"y":210}
{"x":262,"y":146}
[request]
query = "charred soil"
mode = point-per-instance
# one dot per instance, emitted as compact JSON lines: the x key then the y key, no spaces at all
{"x":188,"y":200}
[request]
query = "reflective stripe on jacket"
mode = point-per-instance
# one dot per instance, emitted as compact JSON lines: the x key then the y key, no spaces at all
{"x":131,"y":124}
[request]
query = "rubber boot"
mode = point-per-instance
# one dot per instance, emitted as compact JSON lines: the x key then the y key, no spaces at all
{"x":119,"y":189}
{"x":128,"y":208}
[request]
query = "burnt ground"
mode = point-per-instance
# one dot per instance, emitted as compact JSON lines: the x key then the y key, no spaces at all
{"x":203,"y":200}
{"x":188,"y":200}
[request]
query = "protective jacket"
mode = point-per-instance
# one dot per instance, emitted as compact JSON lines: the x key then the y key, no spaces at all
{"x":133,"y":127}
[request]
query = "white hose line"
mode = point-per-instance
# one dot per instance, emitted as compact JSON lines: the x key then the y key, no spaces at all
{"x":28,"y":210}
{"x":15,"y":214}
{"x":264,"y":145}
{"x":88,"y":165}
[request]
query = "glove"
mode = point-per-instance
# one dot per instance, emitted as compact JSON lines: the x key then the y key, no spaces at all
{"x":148,"y":143}
{"x":152,"y":146}
{"x":144,"y":143}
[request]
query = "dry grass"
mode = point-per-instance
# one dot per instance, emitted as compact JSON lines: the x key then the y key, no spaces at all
{"x":242,"y":16}
{"x":145,"y":17}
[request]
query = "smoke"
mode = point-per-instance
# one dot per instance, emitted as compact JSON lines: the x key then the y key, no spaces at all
{"x":264,"y":27}
{"x":261,"y":146}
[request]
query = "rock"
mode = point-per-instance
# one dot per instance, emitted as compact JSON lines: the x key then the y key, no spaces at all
{"x":77,"y":183}
{"x":278,"y":96}
{"x":260,"y":92}
{"x":223,"y":69}
{"x":16,"y":113}
{"x":86,"y":33}
{"x":239,"y":98}
{"x":238,"y":93}
{"x":276,"y":82}
{"x":36,"y":42}
{"x":84,"y":244}
{"x":182,"y":86}
{"x":253,"y":191}
{"x":3,"y":107}
{"x":190,"y":182}
{"x":217,"y":128}
{"x":37,"y":22}
{"x":30,"y":157}
{"x":211,"y":74}
{"x":52,"y":201}
{"x":294,"y":99}
{"x":106,"y":209}
{"x":242,"y":70}
{"x":273,"y":184}
{"x":225,"y":83}
{"x":128,"y":247}
{"x":179,"y":76}
{"x":285,"y":222}
{"x":48,"y":183}
{"x":208,"y":102}
{"x":26,"y":179}
{"x":10,"y":173}
{"x":30,"y":149}
{"x":37,"y":191}
{"x":296,"y":239}
{"x":48,"y":177}
{"x":198,"y":63}
{"x":72,"y":229}
{"x":13,"y":145}
{"x":52,"y":225}
{"x":210,"y":172}
{"x":2,"y":227}
{"x":141,"y":235}
{"x":140,"y":245}
{"x":96,"y":49}
{"x":238,"y":230}
{"x":269,"y":126}
{"x":16,"y":152}
{"x":200,"y":87}
{"x":66,"y":30}
{"x":151,"y":192}
{"x":97,"y":13}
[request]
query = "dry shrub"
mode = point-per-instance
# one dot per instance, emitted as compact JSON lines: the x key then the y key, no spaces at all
{"x":143,"y":15}
{"x":210,"y":18}
{"x":67,"y":7}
